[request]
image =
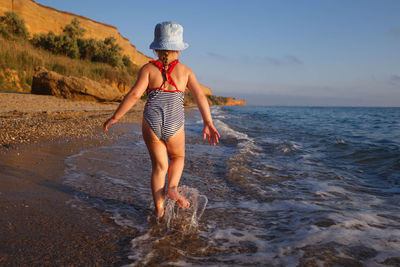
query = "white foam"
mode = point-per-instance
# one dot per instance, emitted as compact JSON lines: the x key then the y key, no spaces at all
{"x":139,"y":250}
{"x":176,"y":220}
{"x":246,"y":145}
{"x":350,"y":229}
{"x":227,"y":131}
{"x":325,"y":189}
{"x":181,"y":263}
{"x":124,"y":217}
{"x":312,"y":205}
{"x":215,"y":110}
{"x":189,"y":218}
{"x":116,"y":181}
{"x":227,"y":239}
{"x":357,"y":222}
{"x":288,"y":146}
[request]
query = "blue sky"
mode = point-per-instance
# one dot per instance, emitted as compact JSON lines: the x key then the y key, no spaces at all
{"x":288,"y":52}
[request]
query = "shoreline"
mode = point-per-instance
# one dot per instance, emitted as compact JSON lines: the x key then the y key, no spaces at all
{"x":40,"y":226}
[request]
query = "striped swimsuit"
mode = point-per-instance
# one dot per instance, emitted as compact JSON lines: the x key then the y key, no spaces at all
{"x":164,"y":111}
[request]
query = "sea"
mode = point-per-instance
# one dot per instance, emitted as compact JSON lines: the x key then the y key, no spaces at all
{"x":286,"y":186}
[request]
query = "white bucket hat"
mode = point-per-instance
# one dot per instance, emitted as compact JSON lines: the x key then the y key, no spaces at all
{"x":168,"y":35}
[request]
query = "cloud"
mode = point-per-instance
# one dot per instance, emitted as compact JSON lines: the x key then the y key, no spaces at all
{"x":294,"y":60}
{"x":273,"y":61}
{"x":217,"y":56}
{"x":289,"y":60}
{"x":395,"y":79}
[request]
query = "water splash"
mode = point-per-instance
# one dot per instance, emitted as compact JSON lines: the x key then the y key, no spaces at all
{"x":186,"y":218}
{"x":167,"y":240}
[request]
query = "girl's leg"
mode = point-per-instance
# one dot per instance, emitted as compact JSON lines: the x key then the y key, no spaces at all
{"x":176,"y":154}
{"x":159,"y":161}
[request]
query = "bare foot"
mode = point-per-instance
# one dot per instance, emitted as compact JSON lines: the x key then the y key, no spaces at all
{"x":182,"y":202}
{"x":159,"y":214}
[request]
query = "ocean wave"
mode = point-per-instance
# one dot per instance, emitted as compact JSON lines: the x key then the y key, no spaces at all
{"x":228,"y":132}
{"x":288,"y":147}
{"x":283,"y":188}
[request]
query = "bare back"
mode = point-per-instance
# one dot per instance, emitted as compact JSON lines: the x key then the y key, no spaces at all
{"x":180,"y":75}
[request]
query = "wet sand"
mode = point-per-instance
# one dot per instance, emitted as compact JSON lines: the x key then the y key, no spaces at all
{"x":39,"y":225}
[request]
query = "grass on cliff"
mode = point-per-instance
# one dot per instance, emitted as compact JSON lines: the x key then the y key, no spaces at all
{"x":23,"y":57}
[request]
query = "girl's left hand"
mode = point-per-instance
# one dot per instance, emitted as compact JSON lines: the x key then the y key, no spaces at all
{"x":108,"y":123}
{"x":211,"y":133}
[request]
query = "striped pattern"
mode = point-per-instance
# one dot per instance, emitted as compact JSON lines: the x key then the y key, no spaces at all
{"x":164,"y":112}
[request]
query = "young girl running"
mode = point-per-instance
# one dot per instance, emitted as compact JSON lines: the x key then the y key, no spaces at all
{"x":163,"y":119}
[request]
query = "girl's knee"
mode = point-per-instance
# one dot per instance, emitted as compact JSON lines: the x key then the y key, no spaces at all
{"x":175,"y":156}
{"x":160,"y":167}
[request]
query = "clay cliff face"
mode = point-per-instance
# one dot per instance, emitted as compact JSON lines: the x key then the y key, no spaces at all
{"x":206,"y":90}
{"x":42,"y":19}
{"x":234,"y":102}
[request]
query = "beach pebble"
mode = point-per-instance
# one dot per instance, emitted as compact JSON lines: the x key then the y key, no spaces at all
{"x":31,"y":118}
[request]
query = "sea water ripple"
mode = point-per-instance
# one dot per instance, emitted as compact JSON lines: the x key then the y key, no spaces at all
{"x":287,"y":186}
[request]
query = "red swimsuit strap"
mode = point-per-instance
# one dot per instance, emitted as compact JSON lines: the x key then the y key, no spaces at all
{"x":167,"y":72}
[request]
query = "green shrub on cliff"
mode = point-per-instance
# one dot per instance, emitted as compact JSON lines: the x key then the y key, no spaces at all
{"x":23,"y":57}
{"x":12,"y":26}
{"x":71,"y":44}
{"x":216,"y":100}
{"x":74,"y":30}
{"x":101,"y":60}
{"x":107,"y":51}
{"x":64,"y":44}
{"x":112,"y":52}
{"x":57,"y":44}
{"x":127,"y":61}
{"x":212,"y":99}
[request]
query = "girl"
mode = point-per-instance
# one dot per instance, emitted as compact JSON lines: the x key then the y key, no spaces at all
{"x":162,"y":127}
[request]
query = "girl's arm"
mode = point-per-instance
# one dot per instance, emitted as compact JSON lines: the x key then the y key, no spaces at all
{"x":130,"y":99}
{"x":209,"y":130}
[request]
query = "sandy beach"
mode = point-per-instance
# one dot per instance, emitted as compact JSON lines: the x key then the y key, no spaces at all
{"x":39,"y":226}
{"x":28,"y":118}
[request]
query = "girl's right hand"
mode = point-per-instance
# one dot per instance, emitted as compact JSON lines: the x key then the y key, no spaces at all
{"x":108,"y":123}
{"x":211,"y":134}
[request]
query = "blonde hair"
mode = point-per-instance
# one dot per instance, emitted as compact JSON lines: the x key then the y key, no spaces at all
{"x":163,"y":55}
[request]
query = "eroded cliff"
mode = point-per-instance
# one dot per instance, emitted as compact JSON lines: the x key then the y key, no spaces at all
{"x":42,"y":19}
